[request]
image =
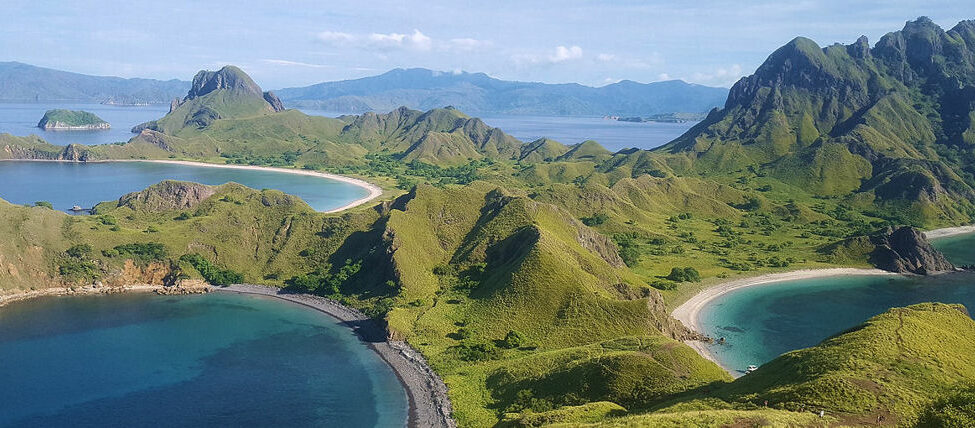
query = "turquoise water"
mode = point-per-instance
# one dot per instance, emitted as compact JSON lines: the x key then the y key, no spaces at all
{"x":202,"y":360}
{"x":762,"y":322}
{"x":66,"y":184}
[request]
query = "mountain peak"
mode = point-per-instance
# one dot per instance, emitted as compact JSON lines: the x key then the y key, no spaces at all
{"x":228,"y":77}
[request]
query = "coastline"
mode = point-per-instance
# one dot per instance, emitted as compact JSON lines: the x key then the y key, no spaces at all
{"x":373,"y":190}
{"x":89,"y":290}
{"x":689,"y":312}
{"x":429,"y":405}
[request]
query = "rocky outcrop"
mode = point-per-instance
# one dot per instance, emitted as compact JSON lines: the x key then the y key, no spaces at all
{"x":228,"y":77}
{"x":906,"y":250}
{"x":274,"y":101}
{"x":70,"y":120}
{"x":167,"y":196}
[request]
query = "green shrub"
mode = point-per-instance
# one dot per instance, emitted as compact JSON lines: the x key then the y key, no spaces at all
{"x":957,"y":410}
{"x":479,"y":352}
{"x":514,"y":339}
{"x":79,"y":251}
{"x":44,"y":204}
{"x":149,"y":251}
{"x":210,"y":272}
{"x":595,"y":220}
{"x":684,"y":274}
{"x":182,"y":216}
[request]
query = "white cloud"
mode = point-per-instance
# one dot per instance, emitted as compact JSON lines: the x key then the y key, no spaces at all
{"x":664,"y":76}
{"x":388,"y":42}
{"x":335,"y":37}
{"x":284,"y":62}
{"x":605,"y":57}
{"x":722,"y":76}
{"x":561,"y":54}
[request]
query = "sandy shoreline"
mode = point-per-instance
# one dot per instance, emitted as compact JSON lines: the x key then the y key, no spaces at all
{"x":429,"y":404}
{"x":89,"y":290}
{"x":374,"y":191}
{"x":689,"y":312}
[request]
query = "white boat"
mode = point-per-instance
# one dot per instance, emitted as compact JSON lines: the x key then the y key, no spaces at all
{"x":751,"y":368}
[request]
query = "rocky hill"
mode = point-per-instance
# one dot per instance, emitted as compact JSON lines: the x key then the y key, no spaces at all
{"x":892,"y":122}
{"x":70,"y":120}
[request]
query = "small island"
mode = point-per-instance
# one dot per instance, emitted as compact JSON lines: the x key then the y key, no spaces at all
{"x":71,"y":120}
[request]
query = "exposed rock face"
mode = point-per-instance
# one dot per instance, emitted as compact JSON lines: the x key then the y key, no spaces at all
{"x":229,"y":77}
{"x":168,"y":195}
{"x":906,"y":250}
{"x":274,"y":101}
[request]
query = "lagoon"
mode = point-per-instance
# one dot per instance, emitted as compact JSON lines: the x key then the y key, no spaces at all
{"x":65,"y":184}
{"x":762,"y":322}
{"x":217,"y":359}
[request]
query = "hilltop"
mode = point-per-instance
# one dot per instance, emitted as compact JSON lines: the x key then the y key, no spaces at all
{"x":888,"y":125}
{"x":479,"y":93}
{"x":27,"y":83}
{"x":71,"y":120}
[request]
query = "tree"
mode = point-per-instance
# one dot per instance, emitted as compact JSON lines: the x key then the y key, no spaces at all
{"x":44,"y":204}
{"x":684,"y":274}
{"x":514,"y":339}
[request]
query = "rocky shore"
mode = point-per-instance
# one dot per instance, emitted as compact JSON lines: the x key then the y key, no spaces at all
{"x":190,"y":287}
{"x":429,"y":404}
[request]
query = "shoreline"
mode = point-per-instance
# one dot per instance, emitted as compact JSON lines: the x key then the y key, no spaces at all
{"x":689,"y":312}
{"x":429,"y":405}
{"x":373,"y":190}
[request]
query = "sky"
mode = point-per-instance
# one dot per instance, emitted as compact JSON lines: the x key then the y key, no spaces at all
{"x":297,"y":43}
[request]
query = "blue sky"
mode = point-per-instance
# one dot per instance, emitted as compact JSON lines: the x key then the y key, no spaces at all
{"x":296,"y":43}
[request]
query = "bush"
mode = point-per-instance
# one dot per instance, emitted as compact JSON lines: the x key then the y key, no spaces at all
{"x":182,"y":216}
{"x":44,"y":204}
{"x":107,"y":220}
{"x":210,"y":272}
{"x":79,"y":251}
{"x":479,"y":352}
{"x":514,"y":339}
{"x":684,"y":274}
{"x":955,"y":410}
{"x":595,"y":220}
{"x":149,"y":251}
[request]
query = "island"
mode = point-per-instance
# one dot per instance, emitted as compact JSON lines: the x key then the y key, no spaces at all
{"x":71,"y":120}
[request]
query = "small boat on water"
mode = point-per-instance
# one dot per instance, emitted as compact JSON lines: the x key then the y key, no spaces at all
{"x":751,"y":368}
{"x":77,"y":208}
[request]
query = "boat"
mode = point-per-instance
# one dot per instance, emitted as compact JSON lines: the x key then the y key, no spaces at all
{"x":751,"y":368}
{"x":77,"y":208}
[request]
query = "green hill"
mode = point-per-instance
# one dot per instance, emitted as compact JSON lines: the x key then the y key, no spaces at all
{"x":890,"y":123}
{"x":71,"y":119}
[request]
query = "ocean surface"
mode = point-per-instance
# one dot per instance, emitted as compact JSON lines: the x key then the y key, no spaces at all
{"x":762,"y":322}
{"x":202,"y":360}
{"x":613,"y":135}
{"x":21,"y":119}
{"x":66,"y":184}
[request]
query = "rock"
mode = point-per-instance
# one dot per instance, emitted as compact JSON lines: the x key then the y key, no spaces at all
{"x":168,"y":195}
{"x":274,"y":101}
{"x":228,"y":77}
{"x":906,"y":250}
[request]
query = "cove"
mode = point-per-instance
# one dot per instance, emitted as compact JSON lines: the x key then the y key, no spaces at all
{"x":762,"y":322}
{"x":217,"y":359}
{"x":66,"y":184}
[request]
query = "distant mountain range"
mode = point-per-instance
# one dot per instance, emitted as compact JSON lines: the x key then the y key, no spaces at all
{"x":28,"y":83}
{"x":478,"y":93}
{"x":415,"y":88}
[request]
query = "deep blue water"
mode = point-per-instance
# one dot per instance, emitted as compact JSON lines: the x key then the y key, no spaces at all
{"x":65,"y":184}
{"x":763,"y":322}
{"x":203,"y":360}
{"x":21,"y":119}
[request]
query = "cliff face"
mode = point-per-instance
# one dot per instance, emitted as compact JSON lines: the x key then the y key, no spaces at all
{"x":906,"y":250}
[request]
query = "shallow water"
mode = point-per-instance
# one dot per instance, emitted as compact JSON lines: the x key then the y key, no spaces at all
{"x":215,"y":359}
{"x":21,"y":119}
{"x":66,"y":184}
{"x":762,"y":322}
